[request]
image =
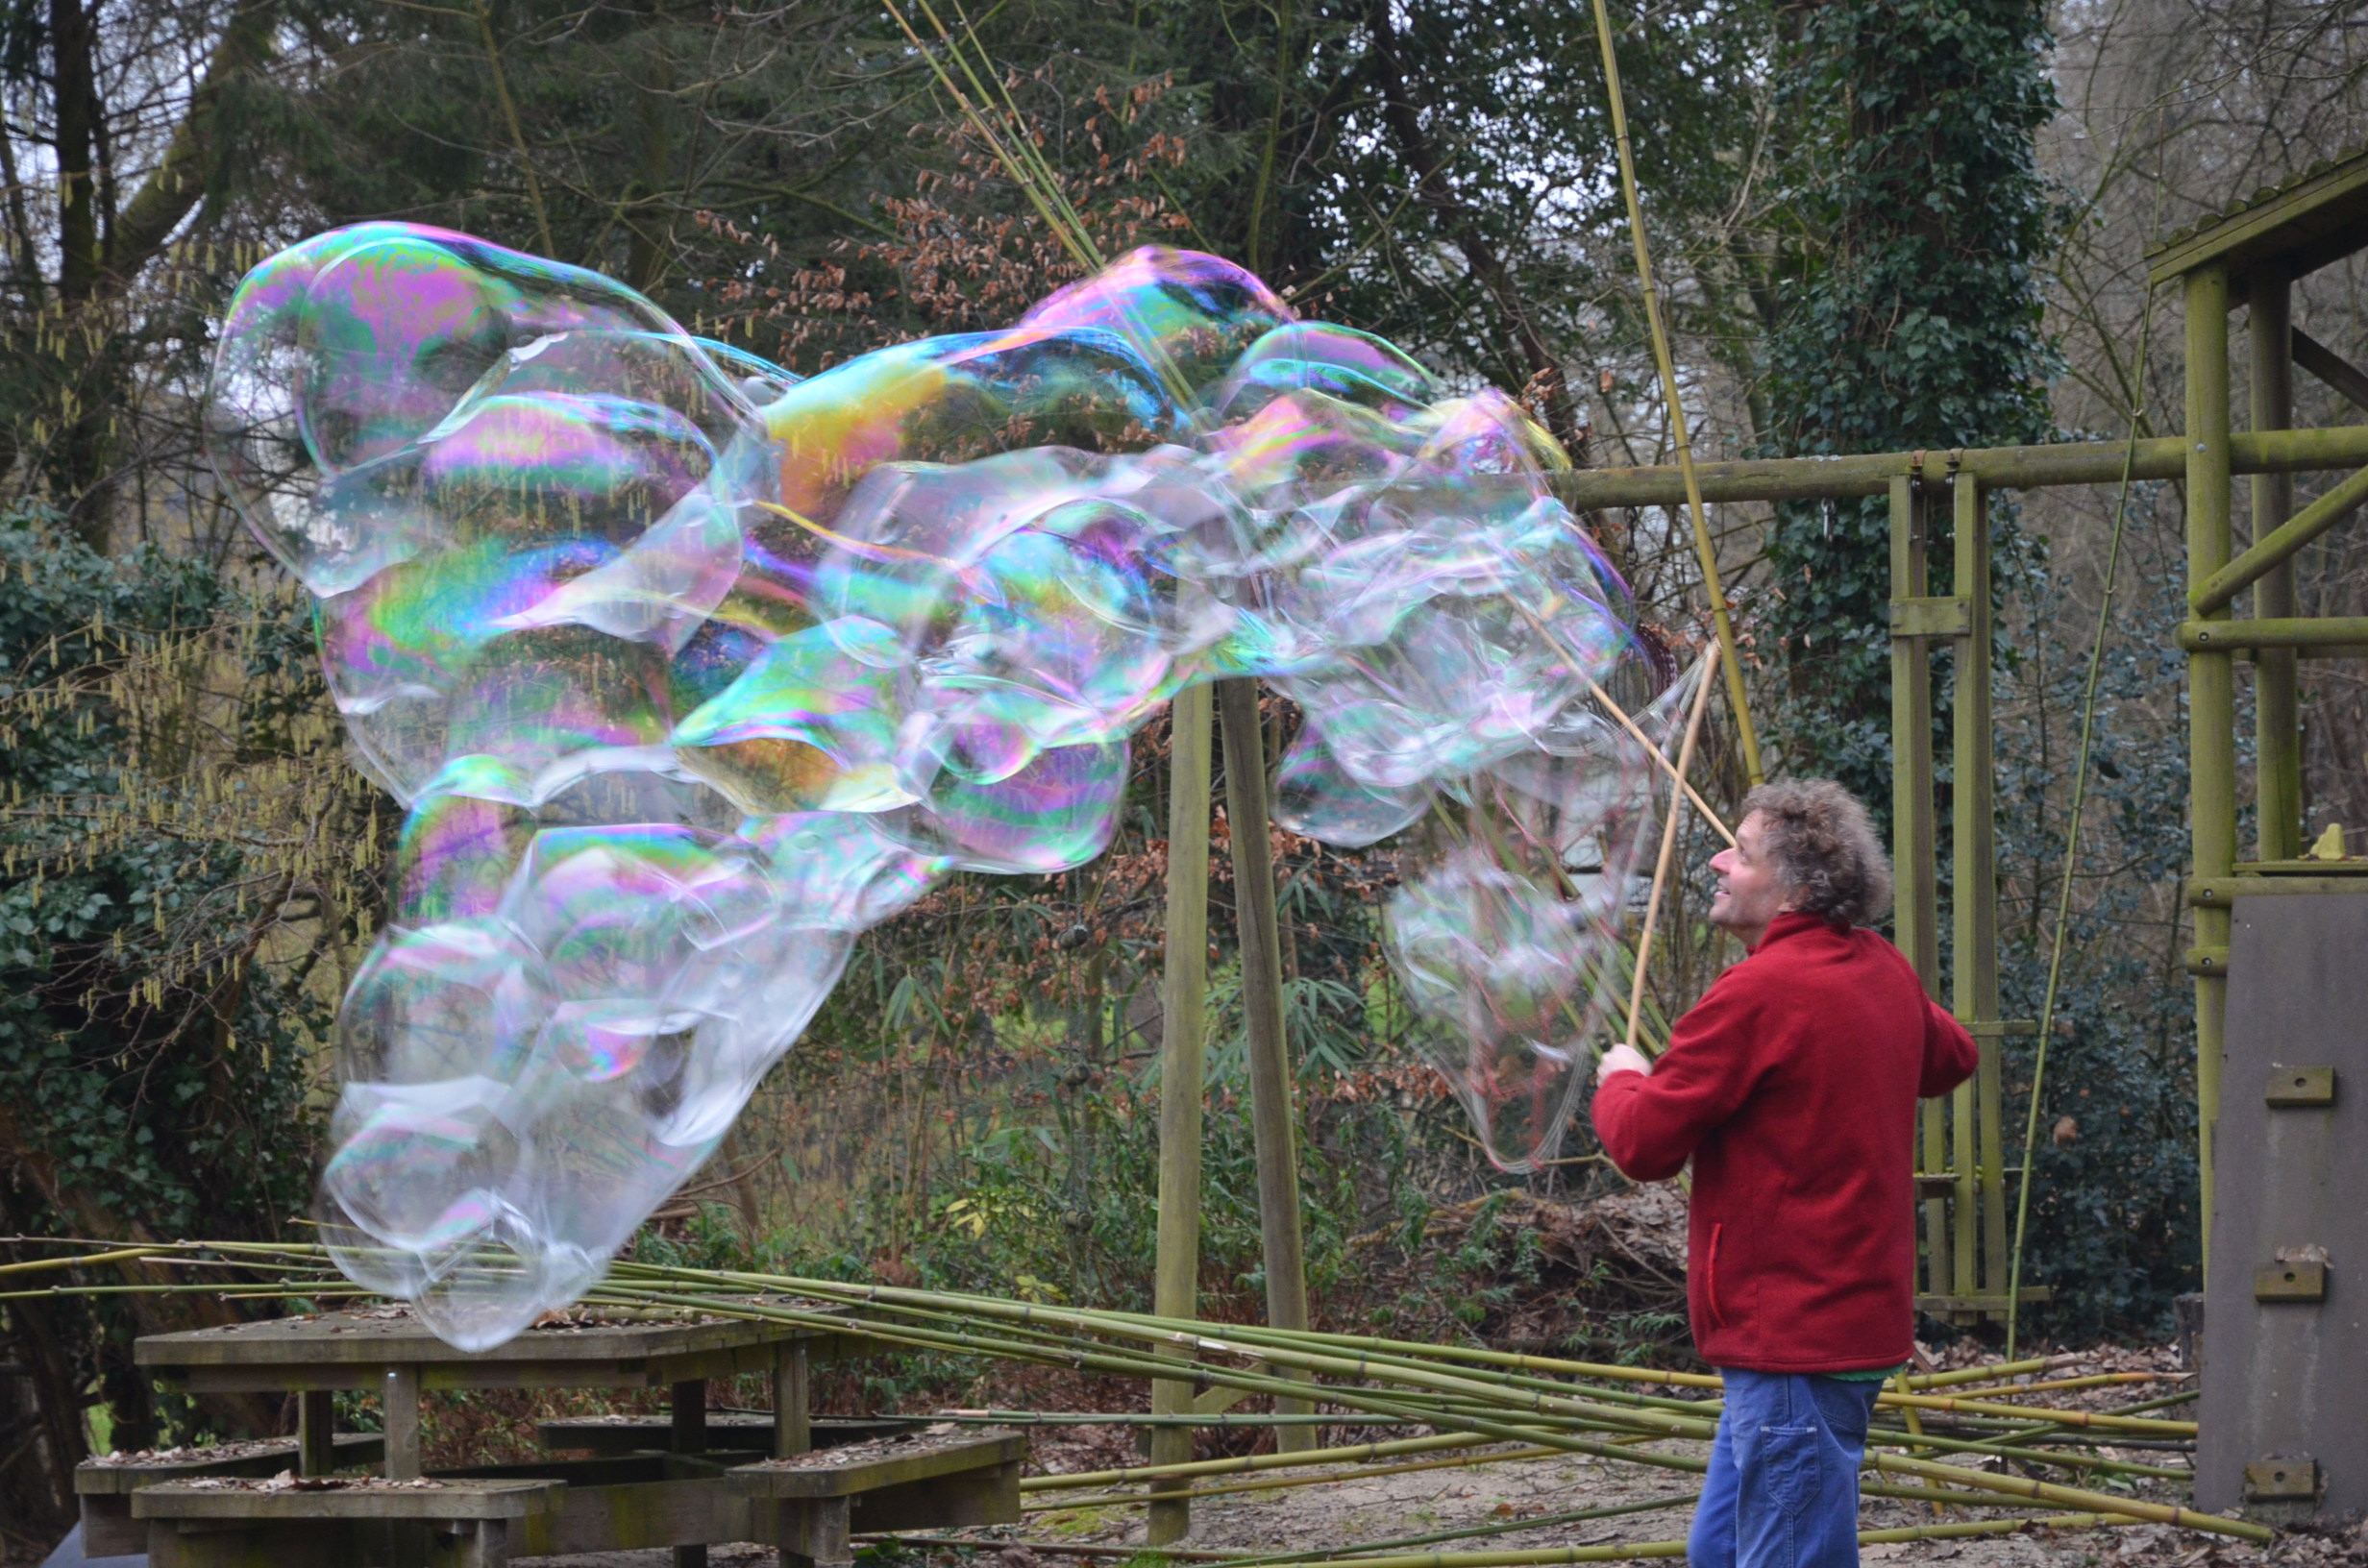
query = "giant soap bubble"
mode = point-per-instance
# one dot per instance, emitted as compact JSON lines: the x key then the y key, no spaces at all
{"x":688,"y":670}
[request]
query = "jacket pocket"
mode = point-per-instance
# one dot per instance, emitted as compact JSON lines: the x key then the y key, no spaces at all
{"x":1710,"y":1277}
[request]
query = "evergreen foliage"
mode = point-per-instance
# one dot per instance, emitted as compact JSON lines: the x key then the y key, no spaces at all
{"x":1909,"y":317}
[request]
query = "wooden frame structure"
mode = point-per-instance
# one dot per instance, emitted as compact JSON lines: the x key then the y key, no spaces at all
{"x":2251,"y":255}
{"x":2257,"y":249}
{"x":1962,"y":1180}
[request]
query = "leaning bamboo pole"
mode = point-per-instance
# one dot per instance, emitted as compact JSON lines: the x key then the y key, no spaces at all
{"x":1273,"y":1123}
{"x":1706,"y":553}
{"x":1669,"y":844}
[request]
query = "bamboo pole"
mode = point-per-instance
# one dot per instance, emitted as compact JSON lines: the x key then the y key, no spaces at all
{"x":1272,"y":1119}
{"x":1360,"y":1557}
{"x":2000,"y":468}
{"x":1240,"y":1464}
{"x":1668,"y":841}
{"x":1706,"y":553}
{"x":1495,"y":1527}
{"x":1915,"y":906}
{"x":1278,"y":1484}
{"x":2212,"y":695}
{"x":1973,"y":900}
{"x":2161,"y":1513}
{"x":1652,"y":749}
{"x":1183,"y":1027}
{"x":2277,"y":793}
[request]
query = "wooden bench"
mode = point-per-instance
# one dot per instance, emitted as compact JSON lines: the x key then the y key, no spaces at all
{"x":104,"y":1487}
{"x":328,"y":1524}
{"x":811,"y":1507}
{"x":609,"y":1503}
{"x":686,"y":1481}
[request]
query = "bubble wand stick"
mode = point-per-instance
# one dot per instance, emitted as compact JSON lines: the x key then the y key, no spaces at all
{"x":1668,"y":841}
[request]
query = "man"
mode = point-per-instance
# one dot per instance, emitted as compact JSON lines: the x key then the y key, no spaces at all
{"x":1792,"y":1087}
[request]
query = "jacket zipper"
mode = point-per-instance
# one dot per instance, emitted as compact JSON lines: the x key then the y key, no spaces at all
{"x":1710,"y":1277}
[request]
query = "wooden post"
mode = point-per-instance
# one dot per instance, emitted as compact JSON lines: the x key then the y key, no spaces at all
{"x":792,"y":1425}
{"x":2277,"y":714}
{"x":2211,"y":703}
{"x":1973,"y":906}
{"x":316,"y":1431}
{"x":688,"y":1406}
{"x":1182,"y":1063}
{"x":1262,"y":1009}
{"x":399,"y":1404}
{"x":1916,"y":901}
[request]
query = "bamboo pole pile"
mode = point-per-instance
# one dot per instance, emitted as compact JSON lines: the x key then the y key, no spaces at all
{"x":1974,"y":1440}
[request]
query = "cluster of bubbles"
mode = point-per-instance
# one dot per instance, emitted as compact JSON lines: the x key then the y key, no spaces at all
{"x":688,"y":671}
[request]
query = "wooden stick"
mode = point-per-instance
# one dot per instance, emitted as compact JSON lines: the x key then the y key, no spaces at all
{"x":1666,"y":765}
{"x":1668,"y":843}
{"x":1274,"y":1135}
{"x":1705,"y":552}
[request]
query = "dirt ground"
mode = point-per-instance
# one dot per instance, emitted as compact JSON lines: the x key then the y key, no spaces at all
{"x":1361,"y":1510}
{"x":1355,"y":1512}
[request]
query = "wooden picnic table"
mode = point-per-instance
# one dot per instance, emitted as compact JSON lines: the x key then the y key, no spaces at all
{"x":677,"y":1480}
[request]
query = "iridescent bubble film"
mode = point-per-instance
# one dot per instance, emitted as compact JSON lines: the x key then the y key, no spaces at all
{"x":688,"y":670}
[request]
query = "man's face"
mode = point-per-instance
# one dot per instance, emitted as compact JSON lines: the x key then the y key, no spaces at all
{"x":1749,"y":893}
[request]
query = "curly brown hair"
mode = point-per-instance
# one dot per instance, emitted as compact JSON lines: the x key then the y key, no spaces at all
{"x":1824,"y":845}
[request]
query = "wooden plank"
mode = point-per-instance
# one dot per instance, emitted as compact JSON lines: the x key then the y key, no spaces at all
{"x":265,"y":1458}
{"x":817,"y":1478}
{"x":604,"y":1470}
{"x":180,"y":1500}
{"x":361,"y":1339}
{"x":639,"y":1516}
{"x":262,"y":1376}
{"x":983,"y":1497}
{"x":289,"y":1543}
{"x":725,"y":1432}
{"x":2314,"y":218}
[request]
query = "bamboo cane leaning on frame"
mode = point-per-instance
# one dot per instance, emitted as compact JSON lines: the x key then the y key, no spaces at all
{"x":1668,"y":841}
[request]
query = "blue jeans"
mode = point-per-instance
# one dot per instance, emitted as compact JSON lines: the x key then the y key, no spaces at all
{"x":1782,"y":1492}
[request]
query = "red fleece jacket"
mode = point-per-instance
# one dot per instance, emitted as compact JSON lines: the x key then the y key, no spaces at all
{"x":1792,"y":1085}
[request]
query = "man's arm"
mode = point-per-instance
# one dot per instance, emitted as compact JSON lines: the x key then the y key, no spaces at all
{"x":1949,"y":1053}
{"x":1649,"y":1123}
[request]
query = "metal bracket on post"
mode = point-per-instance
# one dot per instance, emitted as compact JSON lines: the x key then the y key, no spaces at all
{"x":2282,"y":1480}
{"x":1950,"y":615}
